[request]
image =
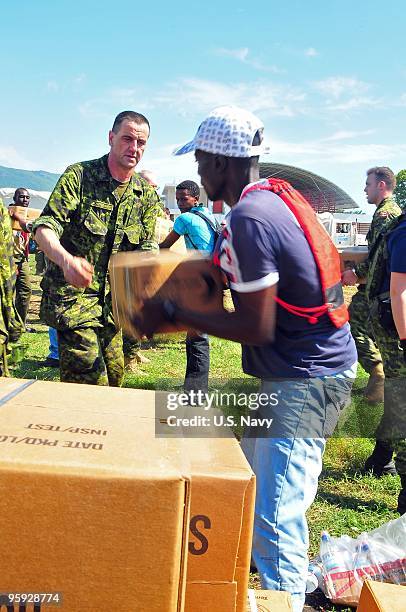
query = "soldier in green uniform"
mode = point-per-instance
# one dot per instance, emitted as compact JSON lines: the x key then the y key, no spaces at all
{"x":386,"y":295}
{"x":97,"y":208}
{"x":379,"y":187}
{"x":10,"y":324}
{"x":21,"y":240}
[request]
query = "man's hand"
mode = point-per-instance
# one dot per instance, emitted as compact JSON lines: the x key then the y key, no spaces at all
{"x":349,"y":277}
{"x":77,"y":272}
{"x":151,"y":316}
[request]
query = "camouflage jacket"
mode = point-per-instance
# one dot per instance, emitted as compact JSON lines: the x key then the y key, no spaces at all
{"x":382,"y":219}
{"x":10,"y":324}
{"x":379,"y":266}
{"x":92,"y":221}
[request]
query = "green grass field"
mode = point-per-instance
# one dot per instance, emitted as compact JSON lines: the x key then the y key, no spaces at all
{"x":348,"y":502}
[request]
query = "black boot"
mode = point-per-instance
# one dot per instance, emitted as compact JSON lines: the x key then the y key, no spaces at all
{"x":380,"y":462}
{"x":402,"y":495}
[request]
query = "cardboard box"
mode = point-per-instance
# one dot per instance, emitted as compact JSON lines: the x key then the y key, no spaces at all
{"x":382,"y":597}
{"x":92,"y":505}
{"x":95,"y":506}
{"x":27,"y":213}
{"x":162,"y":228}
{"x":221,"y":520}
{"x":351,"y":256}
{"x":268,"y":601}
{"x":190,"y":280}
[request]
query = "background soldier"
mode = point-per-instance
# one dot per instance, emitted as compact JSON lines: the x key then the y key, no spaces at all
{"x":386,"y":295}
{"x":379,"y":187}
{"x":10,"y":324}
{"x":21,"y":245}
{"x":97,"y":208}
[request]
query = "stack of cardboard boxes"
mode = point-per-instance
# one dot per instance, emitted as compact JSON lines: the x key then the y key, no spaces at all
{"x":103,"y":515}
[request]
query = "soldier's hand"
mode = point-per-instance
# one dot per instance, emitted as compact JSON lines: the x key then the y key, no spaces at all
{"x":78,"y":272}
{"x":349,"y":277}
{"x":150,"y":318}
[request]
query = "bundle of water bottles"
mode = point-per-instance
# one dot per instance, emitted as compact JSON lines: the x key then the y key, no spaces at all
{"x":344,"y":563}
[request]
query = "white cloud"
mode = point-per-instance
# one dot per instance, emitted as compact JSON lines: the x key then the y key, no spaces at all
{"x":52,"y":86}
{"x":264,"y":97}
{"x":311,"y":52}
{"x":10,"y":157}
{"x":239,"y":54}
{"x":326,"y":150}
{"x":242,"y":55}
{"x":355,"y":103}
{"x":335,"y":87}
{"x":347,"y":135}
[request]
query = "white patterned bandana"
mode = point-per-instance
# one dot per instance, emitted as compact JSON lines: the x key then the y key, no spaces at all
{"x":229,"y":131}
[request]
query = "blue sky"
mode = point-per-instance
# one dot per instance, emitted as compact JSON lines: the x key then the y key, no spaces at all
{"x":328,"y":78}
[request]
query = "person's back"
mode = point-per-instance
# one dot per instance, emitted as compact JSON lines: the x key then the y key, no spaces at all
{"x":300,"y":349}
{"x":197,"y":232}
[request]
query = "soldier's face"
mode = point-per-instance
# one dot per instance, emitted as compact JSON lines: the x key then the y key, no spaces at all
{"x":128,"y":144}
{"x":373,"y":189}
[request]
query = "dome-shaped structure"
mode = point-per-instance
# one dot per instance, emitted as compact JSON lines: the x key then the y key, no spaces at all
{"x":322,"y":194}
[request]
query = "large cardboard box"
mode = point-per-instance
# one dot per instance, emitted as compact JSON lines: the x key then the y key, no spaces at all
{"x":163,"y":227}
{"x":190,"y":280}
{"x":351,"y":256}
{"x":268,"y":601}
{"x":27,"y":213}
{"x":94,"y":506}
{"x":382,"y":597}
{"x":221,"y":520}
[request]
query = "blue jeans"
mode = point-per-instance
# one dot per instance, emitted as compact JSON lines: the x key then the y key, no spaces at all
{"x":53,"y":343}
{"x":197,"y":362}
{"x":287,"y":462}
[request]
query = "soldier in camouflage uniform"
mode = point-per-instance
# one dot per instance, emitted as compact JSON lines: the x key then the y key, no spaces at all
{"x":386,"y":295}
{"x":97,"y":208}
{"x":379,"y":188}
{"x":10,"y":324}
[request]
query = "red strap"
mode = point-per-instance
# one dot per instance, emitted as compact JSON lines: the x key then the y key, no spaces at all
{"x":311,"y":314}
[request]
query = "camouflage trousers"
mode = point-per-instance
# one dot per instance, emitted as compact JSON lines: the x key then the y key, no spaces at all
{"x":362,"y":331}
{"x":393,"y":423}
{"x":92,"y":355}
{"x":23,"y":289}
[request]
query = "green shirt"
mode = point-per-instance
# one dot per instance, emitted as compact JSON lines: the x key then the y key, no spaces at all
{"x":385,"y":212}
{"x":93,"y":217}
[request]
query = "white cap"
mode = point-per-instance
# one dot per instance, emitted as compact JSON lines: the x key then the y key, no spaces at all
{"x":229,"y":131}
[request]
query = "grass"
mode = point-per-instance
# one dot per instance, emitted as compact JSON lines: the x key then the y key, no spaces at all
{"x":348,"y":502}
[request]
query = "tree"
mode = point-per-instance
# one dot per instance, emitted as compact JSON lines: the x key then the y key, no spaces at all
{"x":400,"y":190}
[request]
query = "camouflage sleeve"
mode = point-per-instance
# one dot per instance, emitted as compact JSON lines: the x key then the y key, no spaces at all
{"x":380,"y":221}
{"x":63,"y":201}
{"x":151,"y":209}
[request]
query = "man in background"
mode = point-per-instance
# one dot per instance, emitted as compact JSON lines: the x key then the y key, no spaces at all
{"x":379,"y":187}
{"x":198,"y":227}
{"x":21,"y":251}
{"x":10,"y":324}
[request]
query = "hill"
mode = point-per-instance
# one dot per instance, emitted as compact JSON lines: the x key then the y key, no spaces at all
{"x":31,"y":179}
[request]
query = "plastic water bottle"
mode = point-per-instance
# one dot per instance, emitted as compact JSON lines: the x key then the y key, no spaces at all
{"x":315,"y":578}
{"x":329,"y":554}
{"x":331,"y":560}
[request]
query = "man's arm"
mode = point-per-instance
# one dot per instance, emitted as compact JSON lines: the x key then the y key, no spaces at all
{"x":398,"y":301}
{"x":171,"y":238}
{"x":49,"y":227}
{"x":76,"y":270}
{"x":151,"y":209}
{"x":252,"y":322}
